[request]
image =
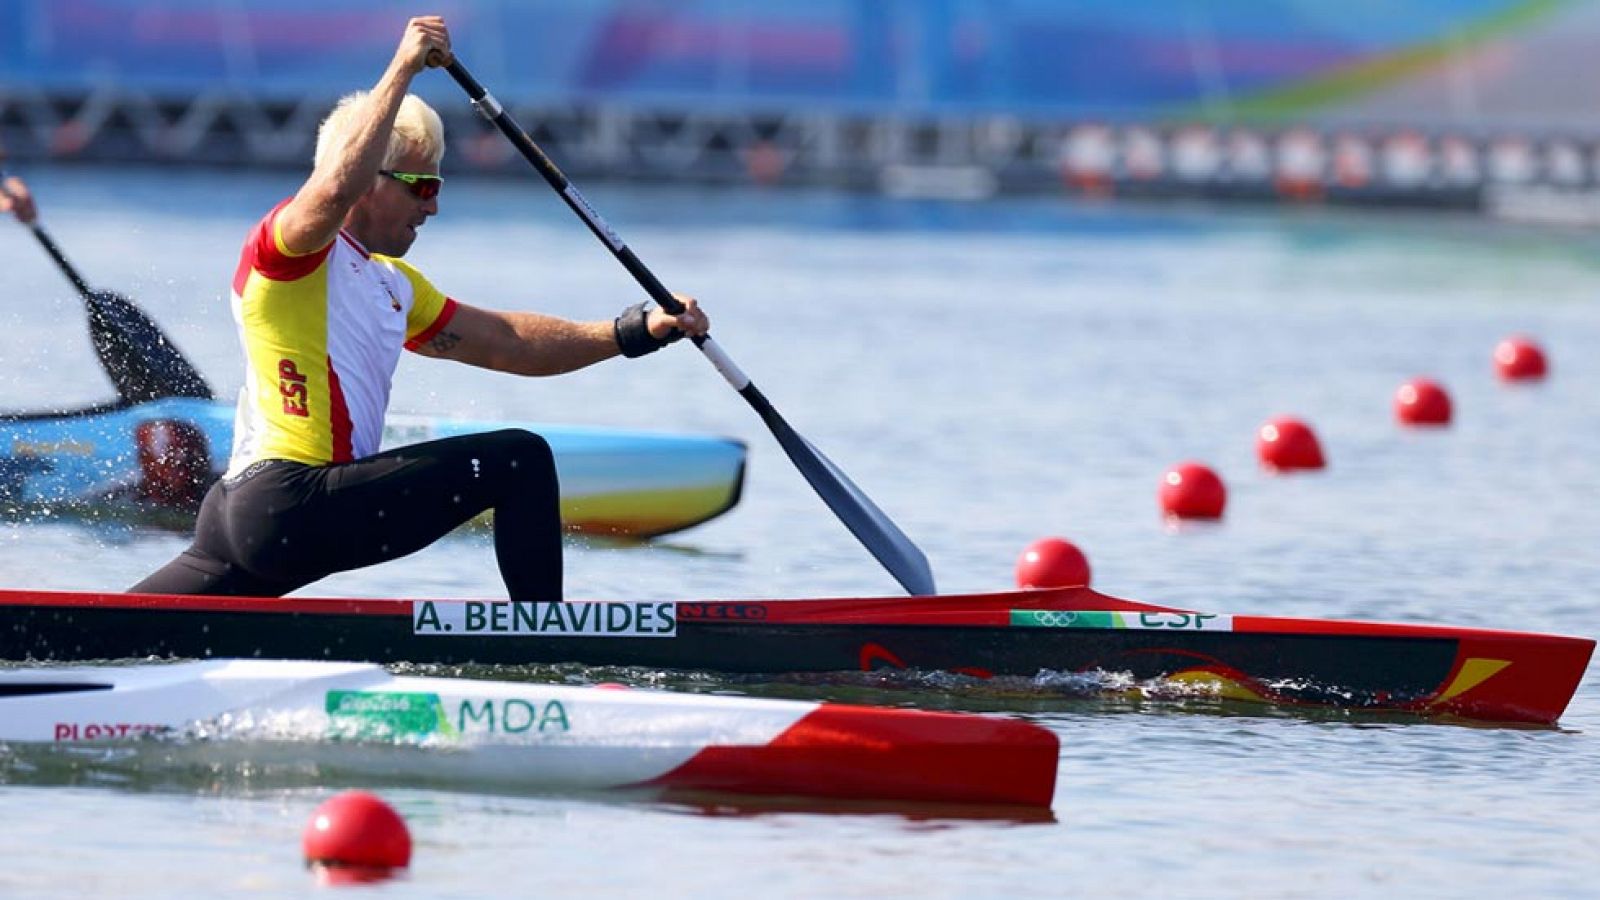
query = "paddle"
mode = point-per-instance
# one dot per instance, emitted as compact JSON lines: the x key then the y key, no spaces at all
{"x":141,"y":361}
{"x":868,"y":523}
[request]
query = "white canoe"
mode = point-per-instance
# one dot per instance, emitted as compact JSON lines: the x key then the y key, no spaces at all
{"x":537,"y":735}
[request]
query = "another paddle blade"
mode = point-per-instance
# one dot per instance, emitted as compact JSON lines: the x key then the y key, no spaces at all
{"x":871,"y":526}
{"x":140,"y":359}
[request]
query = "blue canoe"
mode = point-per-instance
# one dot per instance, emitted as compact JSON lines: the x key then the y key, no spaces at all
{"x":163,"y":453}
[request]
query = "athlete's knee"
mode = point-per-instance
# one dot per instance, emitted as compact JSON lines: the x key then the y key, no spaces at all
{"x":527,"y":454}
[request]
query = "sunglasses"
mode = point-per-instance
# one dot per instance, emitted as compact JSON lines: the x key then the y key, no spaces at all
{"x":421,"y":185}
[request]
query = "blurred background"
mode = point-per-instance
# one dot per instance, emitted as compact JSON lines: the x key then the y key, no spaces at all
{"x":1477,"y":104}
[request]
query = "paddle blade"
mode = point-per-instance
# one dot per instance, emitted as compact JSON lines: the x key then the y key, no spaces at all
{"x":140,"y":359}
{"x":882,"y":538}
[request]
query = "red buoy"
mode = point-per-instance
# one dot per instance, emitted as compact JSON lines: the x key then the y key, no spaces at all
{"x":359,"y":835}
{"x":1192,"y":491}
{"x":1286,"y":443}
{"x":1421,"y":401}
{"x":1519,"y":359}
{"x":1052,"y":562}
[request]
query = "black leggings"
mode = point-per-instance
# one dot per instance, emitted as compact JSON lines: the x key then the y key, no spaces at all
{"x":282,"y":525}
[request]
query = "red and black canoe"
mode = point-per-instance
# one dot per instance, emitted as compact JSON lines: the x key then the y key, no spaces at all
{"x":1483,"y":674}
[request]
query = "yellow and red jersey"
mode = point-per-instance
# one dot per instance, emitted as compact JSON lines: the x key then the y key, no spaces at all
{"x":322,"y":333}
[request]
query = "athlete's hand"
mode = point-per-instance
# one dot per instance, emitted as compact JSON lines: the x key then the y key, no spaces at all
{"x":692,"y":321}
{"x":14,"y":198}
{"x":424,"y":35}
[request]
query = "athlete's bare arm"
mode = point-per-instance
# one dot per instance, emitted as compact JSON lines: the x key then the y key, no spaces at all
{"x":312,"y":219}
{"x":534,"y":344}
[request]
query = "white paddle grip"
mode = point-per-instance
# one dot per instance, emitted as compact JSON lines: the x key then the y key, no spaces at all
{"x":724,"y":364}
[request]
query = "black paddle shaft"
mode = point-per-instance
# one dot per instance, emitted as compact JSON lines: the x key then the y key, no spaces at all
{"x":61,"y":260}
{"x":882,"y":538}
{"x":491,"y":109}
{"x":49,"y":246}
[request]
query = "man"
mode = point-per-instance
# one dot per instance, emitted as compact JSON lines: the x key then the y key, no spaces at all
{"x":324,"y":305}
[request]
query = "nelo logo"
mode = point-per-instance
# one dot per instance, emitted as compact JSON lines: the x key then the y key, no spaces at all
{"x":739,"y":611}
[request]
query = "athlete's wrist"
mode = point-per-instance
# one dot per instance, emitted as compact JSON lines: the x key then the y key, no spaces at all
{"x":632,"y":332}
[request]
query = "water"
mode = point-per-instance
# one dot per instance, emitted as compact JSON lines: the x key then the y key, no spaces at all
{"x":989,"y":374}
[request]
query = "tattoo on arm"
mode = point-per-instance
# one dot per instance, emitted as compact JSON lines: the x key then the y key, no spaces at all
{"x":444,"y":341}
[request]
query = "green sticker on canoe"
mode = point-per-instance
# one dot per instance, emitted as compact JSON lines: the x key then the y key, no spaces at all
{"x":1161,"y":621}
{"x":386,"y":715}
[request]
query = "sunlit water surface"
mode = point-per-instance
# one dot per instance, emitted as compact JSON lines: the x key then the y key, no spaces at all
{"x":989,"y":374}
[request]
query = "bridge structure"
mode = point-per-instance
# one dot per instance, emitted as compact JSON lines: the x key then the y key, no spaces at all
{"x":1470,"y":104}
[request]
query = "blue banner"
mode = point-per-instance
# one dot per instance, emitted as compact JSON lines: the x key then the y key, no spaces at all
{"x":1132,"y":58}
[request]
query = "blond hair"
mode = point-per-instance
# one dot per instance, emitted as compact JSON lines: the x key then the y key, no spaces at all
{"x":416,"y":127}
